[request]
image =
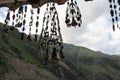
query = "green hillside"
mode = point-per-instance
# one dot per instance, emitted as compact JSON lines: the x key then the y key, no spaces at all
{"x":19,"y":60}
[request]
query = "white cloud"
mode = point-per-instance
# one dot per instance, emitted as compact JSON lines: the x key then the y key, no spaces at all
{"x":96,"y":32}
{"x":100,"y":37}
{"x":3,"y":11}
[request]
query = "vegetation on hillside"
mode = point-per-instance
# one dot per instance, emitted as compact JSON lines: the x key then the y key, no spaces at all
{"x":19,"y":60}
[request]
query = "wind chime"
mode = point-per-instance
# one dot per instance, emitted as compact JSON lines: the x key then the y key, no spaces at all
{"x":19,"y":21}
{"x":73,"y":14}
{"x":50,"y":43}
{"x":50,"y":37}
{"x":114,"y":12}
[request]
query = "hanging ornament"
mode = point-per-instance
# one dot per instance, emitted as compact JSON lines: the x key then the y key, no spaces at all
{"x":50,"y":37}
{"x":119,"y":9}
{"x":114,"y":13}
{"x":21,"y":21}
{"x":73,"y":14}
{"x":19,"y":17}
{"x":119,"y":3}
{"x":37,"y":23}
{"x":30,"y":25}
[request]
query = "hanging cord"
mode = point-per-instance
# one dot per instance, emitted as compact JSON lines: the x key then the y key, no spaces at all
{"x":22,"y":22}
{"x":46,"y":32}
{"x":37,"y":23}
{"x":44,"y":36}
{"x":40,"y":41}
{"x":19,"y":17}
{"x":115,"y":11}
{"x":13,"y":21}
{"x":119,"y":9}
{"x":7,"y":20}
{"x":30,"y":25}
{"x":50,"y":36}
{"x":24,"y":18}
{"x":119,"y":6}
{"x":60,"y":36}
{"x":78,"y":13}
{"x":53,"y":31}
{"x":112,"y":13}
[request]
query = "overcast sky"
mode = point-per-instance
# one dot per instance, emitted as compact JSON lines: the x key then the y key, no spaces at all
{"x":96,"y":30}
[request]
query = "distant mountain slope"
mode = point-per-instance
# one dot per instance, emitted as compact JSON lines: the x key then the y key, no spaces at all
{"x":19,"y":61}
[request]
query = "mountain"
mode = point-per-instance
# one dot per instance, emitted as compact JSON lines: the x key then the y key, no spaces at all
{"x":19,"y":60}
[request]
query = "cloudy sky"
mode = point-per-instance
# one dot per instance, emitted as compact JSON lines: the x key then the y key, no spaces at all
{"x":96,"y":30}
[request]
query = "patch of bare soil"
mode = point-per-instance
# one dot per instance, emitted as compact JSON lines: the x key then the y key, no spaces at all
{"x":20,"y":70}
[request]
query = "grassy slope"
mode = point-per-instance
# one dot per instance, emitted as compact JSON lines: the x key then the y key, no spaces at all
{"x":80,"y":63}
{"x":93,"y":65}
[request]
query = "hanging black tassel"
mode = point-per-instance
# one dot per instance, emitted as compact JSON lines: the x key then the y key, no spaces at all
{"x":36,"y":36}
{"x":51,"y":34}
{"x":22,"y":36}
{"x":29,"y":38}
{"x":20,"y":10}
{"x":67,"y":20}
{"x":13,"y":16}
{"x":7,"y":18}
{"x":54,"y":54}
{"x":5,"y":29}
{"x":25,"y":9}
{"x":113,"y":27}
{"x":74,"y":23}
{"x":114,"y":13}
{"x":37,"y":23}
{"x":13,"y":23}
{"x":18,"y":25}
{"x":6,"y":22}
{"x":38,"y":10}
